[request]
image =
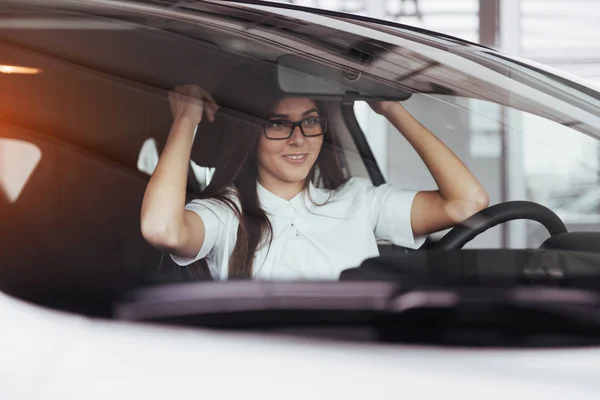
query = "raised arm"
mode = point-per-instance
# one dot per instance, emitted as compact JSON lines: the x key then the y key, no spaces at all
{"x":460,"y":194}
{"x":165,"y":223}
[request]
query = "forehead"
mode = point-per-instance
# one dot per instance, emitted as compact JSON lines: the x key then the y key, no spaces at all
{"x":293,"y":106}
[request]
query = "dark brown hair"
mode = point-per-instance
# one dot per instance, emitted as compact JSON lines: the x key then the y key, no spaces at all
{"x":236,"y":176}
{"x":236,"y":173}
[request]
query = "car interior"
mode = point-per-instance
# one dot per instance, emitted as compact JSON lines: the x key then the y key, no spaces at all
{"x":71,"y":239}
{"x":74,"y":228}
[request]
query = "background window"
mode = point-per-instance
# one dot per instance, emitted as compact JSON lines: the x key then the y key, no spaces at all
{"x":515,"y":155}
{"x":18,"y":160}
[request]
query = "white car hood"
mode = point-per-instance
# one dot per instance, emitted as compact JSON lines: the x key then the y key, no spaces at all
{"x":52,"y":355}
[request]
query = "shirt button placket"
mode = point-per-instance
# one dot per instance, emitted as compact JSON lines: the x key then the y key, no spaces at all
{"x":293,"y":214}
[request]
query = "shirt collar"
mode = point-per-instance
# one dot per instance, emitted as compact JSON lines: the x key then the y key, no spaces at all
{"x":302,"y":202}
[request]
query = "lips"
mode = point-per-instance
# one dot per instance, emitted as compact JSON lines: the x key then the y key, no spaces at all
{"x":296,"y":158}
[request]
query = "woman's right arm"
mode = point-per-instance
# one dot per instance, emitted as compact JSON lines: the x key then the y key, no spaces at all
{"x":165,"y":223}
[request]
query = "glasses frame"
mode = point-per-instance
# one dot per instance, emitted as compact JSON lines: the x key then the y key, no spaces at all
{"x":294,"y":125}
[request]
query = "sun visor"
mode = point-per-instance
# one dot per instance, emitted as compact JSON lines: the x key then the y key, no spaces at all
{"x":298,"y":76}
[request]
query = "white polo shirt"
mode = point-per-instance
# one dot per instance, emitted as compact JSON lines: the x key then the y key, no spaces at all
{"x":311,"y":241}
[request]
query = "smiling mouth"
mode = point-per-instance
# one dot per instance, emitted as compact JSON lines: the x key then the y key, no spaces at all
{"x":296,"y":158}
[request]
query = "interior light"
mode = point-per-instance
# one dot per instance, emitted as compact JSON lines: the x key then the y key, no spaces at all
{"x":16,"y":69}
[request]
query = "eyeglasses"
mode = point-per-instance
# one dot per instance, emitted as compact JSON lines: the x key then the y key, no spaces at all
{"x":282,"y":129}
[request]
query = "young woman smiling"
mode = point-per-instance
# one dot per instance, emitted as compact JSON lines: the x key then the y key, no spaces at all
{"x":279,"y":205}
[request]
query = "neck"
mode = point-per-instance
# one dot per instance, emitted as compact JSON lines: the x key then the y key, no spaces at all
{"x":285,"y":190}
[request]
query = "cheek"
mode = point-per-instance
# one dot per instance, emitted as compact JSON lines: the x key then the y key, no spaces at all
{"x":317,"y":145}
{"x":268,"y":150}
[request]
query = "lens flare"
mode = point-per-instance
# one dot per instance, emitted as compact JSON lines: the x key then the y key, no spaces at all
{"x":16,"y":69}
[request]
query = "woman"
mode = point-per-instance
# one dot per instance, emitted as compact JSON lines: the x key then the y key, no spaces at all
{"x":262,"y":215}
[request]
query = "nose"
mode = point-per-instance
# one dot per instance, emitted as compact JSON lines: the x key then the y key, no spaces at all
{"x":297,"y":137}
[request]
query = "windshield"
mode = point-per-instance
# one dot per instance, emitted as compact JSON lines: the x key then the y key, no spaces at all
{"x":144,"y":146}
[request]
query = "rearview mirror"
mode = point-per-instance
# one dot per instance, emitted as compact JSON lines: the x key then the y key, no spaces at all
{"x":304,"y":77}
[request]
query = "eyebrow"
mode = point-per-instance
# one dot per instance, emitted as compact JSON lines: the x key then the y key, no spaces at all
{"x":285,"y":116}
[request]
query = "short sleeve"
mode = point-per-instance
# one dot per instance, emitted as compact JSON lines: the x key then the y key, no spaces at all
{"x":390,"y":210}
{"x":217,"y":217}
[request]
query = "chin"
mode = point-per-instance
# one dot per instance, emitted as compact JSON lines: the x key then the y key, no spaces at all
{"x":294,"y":177}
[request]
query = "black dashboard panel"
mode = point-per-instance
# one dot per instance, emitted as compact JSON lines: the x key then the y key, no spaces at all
{"x":482,"y":268}
{"x":574,"y":241}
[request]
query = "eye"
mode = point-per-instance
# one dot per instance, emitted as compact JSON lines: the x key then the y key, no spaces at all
{"x":275,"y":124}
{"x":311,"y":121}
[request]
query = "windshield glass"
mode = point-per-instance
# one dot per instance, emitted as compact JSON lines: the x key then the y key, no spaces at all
{"x":217,"y":143}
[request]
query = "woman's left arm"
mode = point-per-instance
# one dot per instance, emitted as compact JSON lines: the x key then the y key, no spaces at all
{"x":460,"y":194}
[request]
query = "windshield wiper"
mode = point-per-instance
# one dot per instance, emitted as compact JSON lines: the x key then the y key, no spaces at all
{"x":197,"y":299}
{"x":453,"y":297}
{"x":511,"y":316}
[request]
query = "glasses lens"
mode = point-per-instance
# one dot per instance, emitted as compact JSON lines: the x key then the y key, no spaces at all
{"x":278,"y":129}
{"x":314,"y":126}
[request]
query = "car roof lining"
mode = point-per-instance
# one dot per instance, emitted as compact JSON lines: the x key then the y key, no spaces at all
{"x":370,"y":57}
{"x":119,"y":56}
{"x":358,"y":52}
{"x":61,"y":53}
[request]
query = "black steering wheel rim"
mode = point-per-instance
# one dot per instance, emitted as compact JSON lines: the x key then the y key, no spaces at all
{"x":496,"y":215}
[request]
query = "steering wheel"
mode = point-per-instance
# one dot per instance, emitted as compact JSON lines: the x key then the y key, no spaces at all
{"x":496,"y":215}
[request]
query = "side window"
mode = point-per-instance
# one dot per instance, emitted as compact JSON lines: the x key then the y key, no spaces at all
{"x":514,"y":154}
{"x":18,"y":160}
{"x":148,"y":159}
